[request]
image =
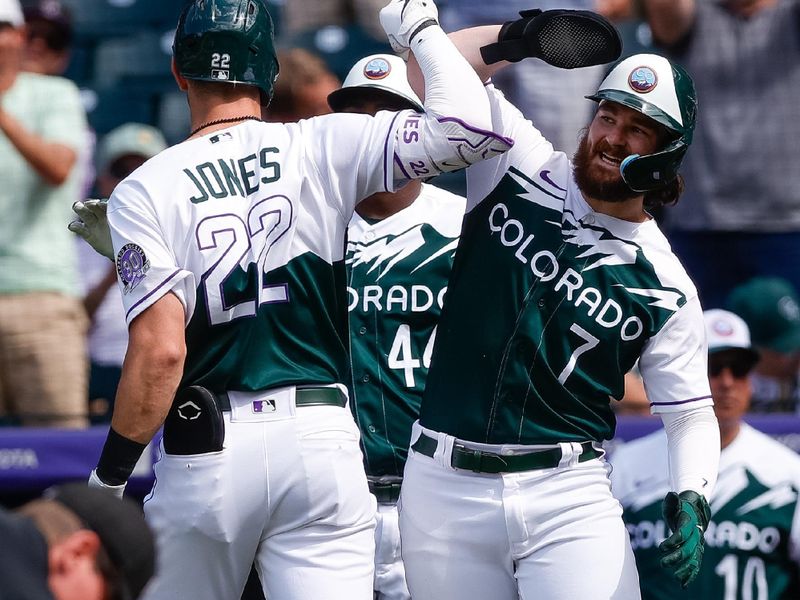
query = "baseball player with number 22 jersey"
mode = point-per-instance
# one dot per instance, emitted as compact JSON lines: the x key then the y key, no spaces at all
{"x":230,"y":253}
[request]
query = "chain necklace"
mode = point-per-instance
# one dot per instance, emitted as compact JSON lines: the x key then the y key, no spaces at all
{"x":228,"y":120}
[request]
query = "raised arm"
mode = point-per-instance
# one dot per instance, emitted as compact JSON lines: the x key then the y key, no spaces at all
{"x":669,"y":20}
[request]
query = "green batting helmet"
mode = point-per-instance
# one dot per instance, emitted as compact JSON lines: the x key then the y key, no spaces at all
{"x":663,"y":91}
{"x":228,"y":41}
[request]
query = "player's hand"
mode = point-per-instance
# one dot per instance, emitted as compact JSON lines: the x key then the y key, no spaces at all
{"x":96,"y":482}
{"x":687,"y":515}
{"x":92,"y":226}
{"x":402,"y":20}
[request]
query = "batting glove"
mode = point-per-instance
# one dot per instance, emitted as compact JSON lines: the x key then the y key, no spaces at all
{"x":92,"y":226}
{"x":687,"y":515}
{"x":96,"y":482}
{"x":402,"y":20}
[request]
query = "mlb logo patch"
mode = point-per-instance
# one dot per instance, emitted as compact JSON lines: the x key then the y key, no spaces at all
{"x":263,"y":406}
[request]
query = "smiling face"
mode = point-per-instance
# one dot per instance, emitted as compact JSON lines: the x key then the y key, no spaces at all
{"x":615,"y":133}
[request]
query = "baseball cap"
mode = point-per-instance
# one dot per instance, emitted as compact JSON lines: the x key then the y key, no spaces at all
{"x":131,"y":138}
{"x":770,"y":308}
{"x":10,"y":12}
{"x":120,"y":525}
{"x":384,"y":72}
{"x":727,"y":331}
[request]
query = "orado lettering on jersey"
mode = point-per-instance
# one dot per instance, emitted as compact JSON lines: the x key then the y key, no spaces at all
{"x":233,"y":176}
{"x":606,"y":312}
{"x":742,"y":536}
{"x":397,"y":298}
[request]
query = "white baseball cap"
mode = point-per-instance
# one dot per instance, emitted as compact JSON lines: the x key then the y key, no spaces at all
{"x":384,"y":72}
{"x":11,"y":12}
{"x":727,"y":331}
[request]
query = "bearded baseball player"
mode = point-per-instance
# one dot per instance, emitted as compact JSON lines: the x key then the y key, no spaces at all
{"x":230,"y":253}
{"x":752,"y":544}
{"x":561,"y":281}
{"x":400,"y":251}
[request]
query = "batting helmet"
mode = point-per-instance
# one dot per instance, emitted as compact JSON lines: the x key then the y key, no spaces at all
{"x":385,"y":73}
{"x":227,"y":41}
{"x":663,"y":91}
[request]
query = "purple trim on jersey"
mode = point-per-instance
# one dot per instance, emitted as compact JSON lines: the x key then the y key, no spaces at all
{"x":386,"y":154}
{"x":679,"y":401}
{"x":400,"y":164}
{"x":153,"y":291}
{"x":485,"y":132}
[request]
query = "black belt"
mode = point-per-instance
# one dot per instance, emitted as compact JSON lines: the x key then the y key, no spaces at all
{"x":385,"y":490}
{"x":480,"y":461}
{"x":305,"y":396}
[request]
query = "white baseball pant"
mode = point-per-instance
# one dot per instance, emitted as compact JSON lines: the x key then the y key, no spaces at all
{"x":554,"y":534}
{"x":288,"y":491}
{"x":390,"y":574}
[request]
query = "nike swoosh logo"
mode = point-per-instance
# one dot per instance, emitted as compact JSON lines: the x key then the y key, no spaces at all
{"x":545,"y":175}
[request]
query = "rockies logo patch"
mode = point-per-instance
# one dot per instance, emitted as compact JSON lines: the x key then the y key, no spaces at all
{"x":132,"y":265}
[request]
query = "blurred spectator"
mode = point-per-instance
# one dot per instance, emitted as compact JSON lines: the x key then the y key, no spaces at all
{"x":49,"y":37}
{"x":552,"y":98}
{"x":302,"y":88}
{"x":76,"y":543}
{"x":43,"y":368}
{"x":770,"y":307}
{"x":119,"y":153}
{"x":304,"y":15}
{"x":753,"y":538}
{"x":740,"y":215}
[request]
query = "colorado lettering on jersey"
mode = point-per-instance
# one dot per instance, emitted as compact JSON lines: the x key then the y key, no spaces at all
{"x":397,"y":298}
{"x":726,"y":535}
{"x":545,"y":265}
{"x":233,"y":176}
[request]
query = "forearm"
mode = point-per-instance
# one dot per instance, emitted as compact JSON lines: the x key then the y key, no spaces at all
{"x":451,"y":88}
{"x":152,"y":370}
{"x":694,"y":447}
{"x":468,"y":43}
{"x":52,"y":161}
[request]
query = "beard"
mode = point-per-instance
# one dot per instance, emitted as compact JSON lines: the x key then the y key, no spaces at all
{"x":595,"y":182}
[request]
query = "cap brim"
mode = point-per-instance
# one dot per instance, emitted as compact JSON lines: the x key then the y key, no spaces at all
{"x":751,"y":354}
{"x":341,"y":98}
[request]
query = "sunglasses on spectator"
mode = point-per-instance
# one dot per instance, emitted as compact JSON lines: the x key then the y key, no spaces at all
{"x":738,"y":368}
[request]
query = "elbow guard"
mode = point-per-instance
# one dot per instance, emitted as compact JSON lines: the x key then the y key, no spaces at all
{"x":427,"y":146}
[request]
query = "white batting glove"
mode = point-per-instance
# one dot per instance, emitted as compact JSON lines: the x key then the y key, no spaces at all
{"x":403,"y":19}
{"x":96,"y":482}
{"x":92,"y":226}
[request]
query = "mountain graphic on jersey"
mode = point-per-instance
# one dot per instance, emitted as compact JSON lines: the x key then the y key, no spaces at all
{"x":746,"y":553}
{"x":408,"y":252}
{"x":540,"y":290}
{"x":396,"y":288}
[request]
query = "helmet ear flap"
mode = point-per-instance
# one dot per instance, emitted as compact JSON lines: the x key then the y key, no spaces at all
{"x":653,"y":171}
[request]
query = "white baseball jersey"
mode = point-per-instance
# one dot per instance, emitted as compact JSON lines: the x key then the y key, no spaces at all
{"x":247,"y":227}
{"x":753,"y":538}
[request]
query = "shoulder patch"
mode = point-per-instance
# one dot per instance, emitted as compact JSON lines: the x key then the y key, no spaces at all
{"x":132,"y":266}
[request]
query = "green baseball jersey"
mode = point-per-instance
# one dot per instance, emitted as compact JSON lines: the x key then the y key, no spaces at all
{"x":551,"y":303}
{"x":753,"y":539}
{"x":247,"y":227}
{"x":398,"y":269}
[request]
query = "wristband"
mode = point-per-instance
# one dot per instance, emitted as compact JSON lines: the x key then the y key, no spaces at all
{"x":118,"y":458}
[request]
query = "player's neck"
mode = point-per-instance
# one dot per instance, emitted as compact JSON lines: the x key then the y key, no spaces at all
{"x":630,"y":210}
{"x":385,"y":204}
{"x":209,"y":110}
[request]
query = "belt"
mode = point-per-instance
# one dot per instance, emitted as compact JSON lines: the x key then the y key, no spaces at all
{"x":481,"y":461}
{"x":386,"y":492}
{"x":305,"y":396}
